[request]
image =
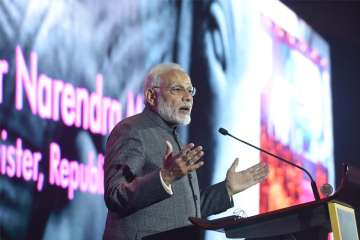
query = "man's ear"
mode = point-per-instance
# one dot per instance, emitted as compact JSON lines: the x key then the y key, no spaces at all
{"x":150,"y":97}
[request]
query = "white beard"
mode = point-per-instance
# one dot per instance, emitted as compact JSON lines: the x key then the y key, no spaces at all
{"x":168,"y":113}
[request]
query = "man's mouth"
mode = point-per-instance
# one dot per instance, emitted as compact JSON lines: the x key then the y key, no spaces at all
{"x":185,"y":109}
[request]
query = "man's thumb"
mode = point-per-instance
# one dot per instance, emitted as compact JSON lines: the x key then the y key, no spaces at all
{"x":234,"y":165}
{"x":169,"y":149}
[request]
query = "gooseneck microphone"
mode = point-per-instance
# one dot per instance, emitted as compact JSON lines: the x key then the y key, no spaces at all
{"x":225,"y":132}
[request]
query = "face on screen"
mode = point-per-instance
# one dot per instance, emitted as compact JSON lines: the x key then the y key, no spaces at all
{"x":257,"y":85}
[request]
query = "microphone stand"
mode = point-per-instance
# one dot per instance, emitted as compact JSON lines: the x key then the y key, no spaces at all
{"x":315,"y":191}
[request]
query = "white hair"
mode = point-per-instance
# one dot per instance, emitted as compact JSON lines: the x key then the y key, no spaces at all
{"x":153,"y":78}
{"x":165,"y":109}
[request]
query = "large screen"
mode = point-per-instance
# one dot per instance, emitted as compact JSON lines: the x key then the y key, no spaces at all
{"x":275,"y":95}
{"x":70,"y":70}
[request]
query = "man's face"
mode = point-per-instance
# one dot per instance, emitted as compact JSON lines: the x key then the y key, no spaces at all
{"x":175,"y":100}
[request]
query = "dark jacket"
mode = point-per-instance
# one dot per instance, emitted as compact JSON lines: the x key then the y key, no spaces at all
{"x":138,"y":205}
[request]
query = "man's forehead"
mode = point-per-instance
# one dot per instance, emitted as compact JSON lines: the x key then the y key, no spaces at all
{"x":175,"y":77}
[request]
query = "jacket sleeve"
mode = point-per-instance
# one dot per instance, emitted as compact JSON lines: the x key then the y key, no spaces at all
{"x":215,"y":199}
{"x":126,"y":188}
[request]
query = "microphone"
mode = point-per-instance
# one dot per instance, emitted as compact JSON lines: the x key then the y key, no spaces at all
{"x":315,"y":191}
{"x":326,"y":189}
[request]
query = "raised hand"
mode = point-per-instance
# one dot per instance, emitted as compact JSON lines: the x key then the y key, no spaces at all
{"x":239,"y":181}
{"x":177,"y":166}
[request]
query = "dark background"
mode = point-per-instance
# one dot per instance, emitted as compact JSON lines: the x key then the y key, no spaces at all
{"x":338,"y":22}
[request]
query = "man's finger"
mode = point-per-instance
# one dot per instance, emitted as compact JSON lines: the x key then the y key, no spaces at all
{"x":259,"y":178}
{"x":194,"y":159}
{"x":262,"y":169}
{"x":190,"y":155}
{"x":186,"y":149}
{"x":260,"y":175}
{"x":256,"y":167}
{"x":234,"y":165}
{"x":195,"y":166}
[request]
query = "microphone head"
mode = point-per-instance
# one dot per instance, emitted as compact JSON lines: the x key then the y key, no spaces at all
{"x":223,"y":131}
{"x":326,"y":189}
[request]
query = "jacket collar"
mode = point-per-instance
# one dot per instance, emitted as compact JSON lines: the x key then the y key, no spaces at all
{"x":155,"y":117}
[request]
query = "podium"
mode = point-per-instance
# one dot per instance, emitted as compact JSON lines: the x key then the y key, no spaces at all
{"x":307,"y":221}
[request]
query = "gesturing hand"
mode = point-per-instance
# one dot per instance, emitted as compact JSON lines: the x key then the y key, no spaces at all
{"x":239,"y":181}
{"x":177,"y":166}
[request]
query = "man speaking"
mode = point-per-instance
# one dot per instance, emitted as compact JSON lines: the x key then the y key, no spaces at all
{"x":150,"y":176}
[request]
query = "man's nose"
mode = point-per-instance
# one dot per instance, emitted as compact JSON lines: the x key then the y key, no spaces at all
{"x":187,"y":97}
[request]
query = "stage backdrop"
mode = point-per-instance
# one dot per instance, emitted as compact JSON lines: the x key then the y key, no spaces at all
{"x":267,"y":80}
{"x":70,"y":70}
